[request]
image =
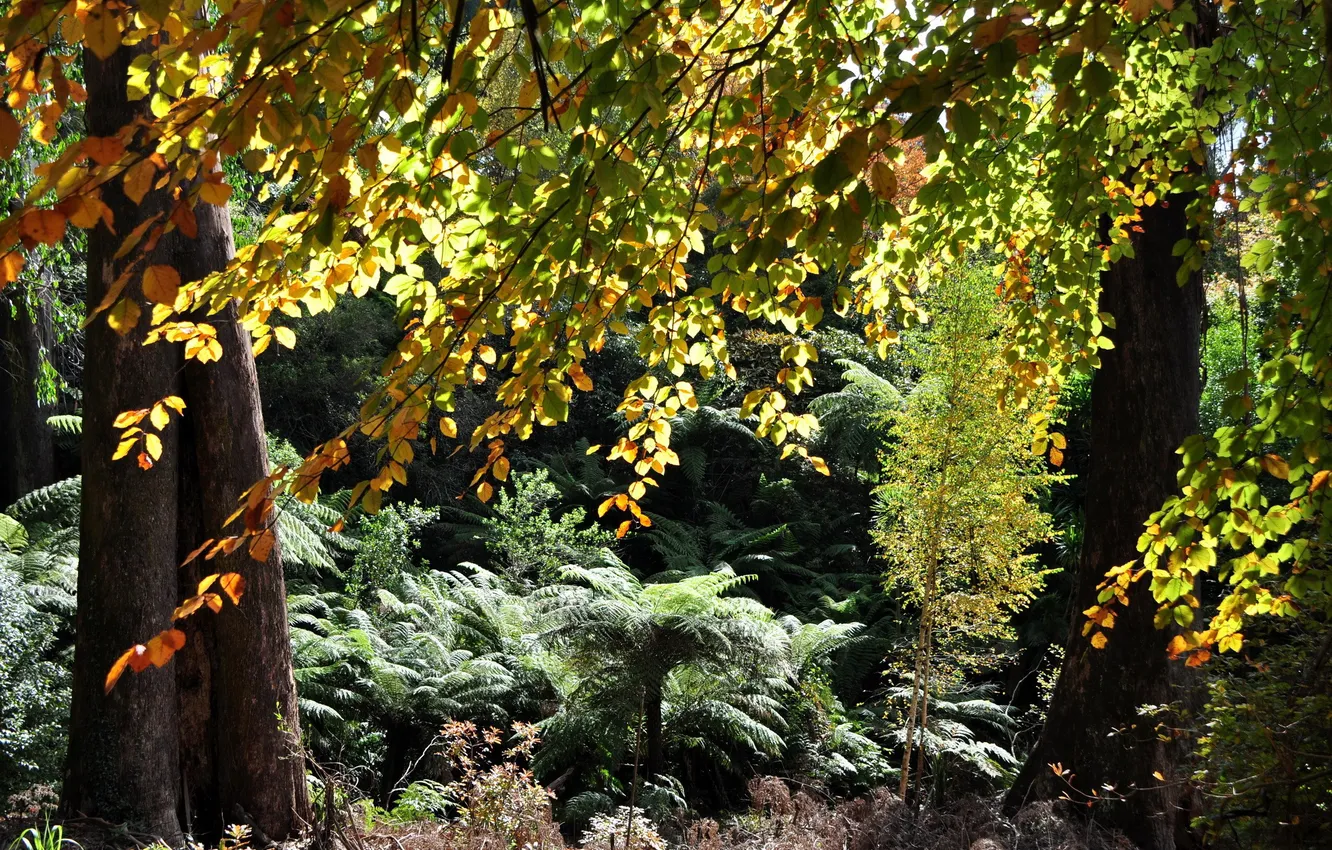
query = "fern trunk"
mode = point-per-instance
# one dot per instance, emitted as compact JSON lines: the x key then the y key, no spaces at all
{"x":1144,"y":403}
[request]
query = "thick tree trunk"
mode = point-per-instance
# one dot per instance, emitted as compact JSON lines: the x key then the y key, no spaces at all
{"x":29,"y":458}
{"x":260,"y":769}
{"x":123,"y":754}
{"x":225,"y":740}
{"x":1144,"y":403}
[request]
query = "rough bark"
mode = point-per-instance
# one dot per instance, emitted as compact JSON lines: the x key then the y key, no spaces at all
{"x":260,"y":771}
{"x":123,"y":753}
{"x":1144,"y":403}
{"x":28,"y":462}
{"x":215,"y":741}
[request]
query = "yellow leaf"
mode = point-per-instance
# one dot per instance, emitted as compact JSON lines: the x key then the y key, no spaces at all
{"x":1099,"y":640}
{"x":820,"y":464}
{"x":123,"y":449}
{"x":591,"y":450}
{"x":101,"y":31}
{"x":1158,"y":775}
{"x":484,"y":491}
{"x":139,"y":179}
{"x":1058,"y":441}
{"x":161,"y":284}
{"x":159,"y":417}
{"x":175,"y":402}
{"x":153,"y":444}
{"x":448,"y":427}
{"x":501,"y":469}
{"x":129,"y":417}
{"x":215,"y":192}
{"x":286,"y":337}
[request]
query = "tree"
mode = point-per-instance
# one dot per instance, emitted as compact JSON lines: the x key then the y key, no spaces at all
{"x":958,"y":509}
{"x":559,"y":215}
{"x":626,"y":640}
{"x":212,"y":719}
{"x":1144,"y":405}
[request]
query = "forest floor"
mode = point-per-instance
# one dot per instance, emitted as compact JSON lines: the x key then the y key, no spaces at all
{"x":785,"y":821}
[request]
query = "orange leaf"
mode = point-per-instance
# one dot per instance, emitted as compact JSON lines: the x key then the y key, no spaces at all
{"x":183,"y":216}
{"x":233,"y":584}
{"x":113,"y":675}
{"x":262,"y":545}
{"x":1099,"y":640}
{"x":1319,"y":479}
{"x":45,"y":226}
{"x":104,"y":150}
{"x":1056,"y":457}
{"x":159,"y":650}
{"x":10,"y":266}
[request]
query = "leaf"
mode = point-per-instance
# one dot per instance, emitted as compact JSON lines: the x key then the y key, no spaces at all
{"x":1319,"y":480}
{"x":216,"y":193}
{"x":104,"y":150}
{"x":286,"y":337}
{"x":129,"y":417}
{"x":101,"y":31}
{"x":175,"y":402}
{"x":448,"y":427}
{"x":261,"y":546}
{"x":118,"y":668}
{"x":10,"y":265}
{"x":124,"y":448}
{"x":159,"y":650}
{"x":233,"y":585}
{"x":1276,"y":466}
{"x":139,"y":179}
{"x":1138,"y":10}
{"x":161,"y":284}
{"x":44,"y":226}
{"x":1056,"y":457}
{"x":1099,"y":640}
{"x":153,"y":445}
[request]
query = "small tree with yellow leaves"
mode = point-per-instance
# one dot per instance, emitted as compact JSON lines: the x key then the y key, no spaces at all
{"x":958,"y":508}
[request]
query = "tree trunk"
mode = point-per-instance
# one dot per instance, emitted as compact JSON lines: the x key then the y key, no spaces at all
{"x":1144,"y":404}
{"x":227,"y":716}
{"x":656,"y":738}
{"x":123,"y":750}
{"x":260,"y":768}
{"x":28,"y":462}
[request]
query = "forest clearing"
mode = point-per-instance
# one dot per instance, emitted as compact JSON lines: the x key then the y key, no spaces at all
{"x":646,"y":424}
